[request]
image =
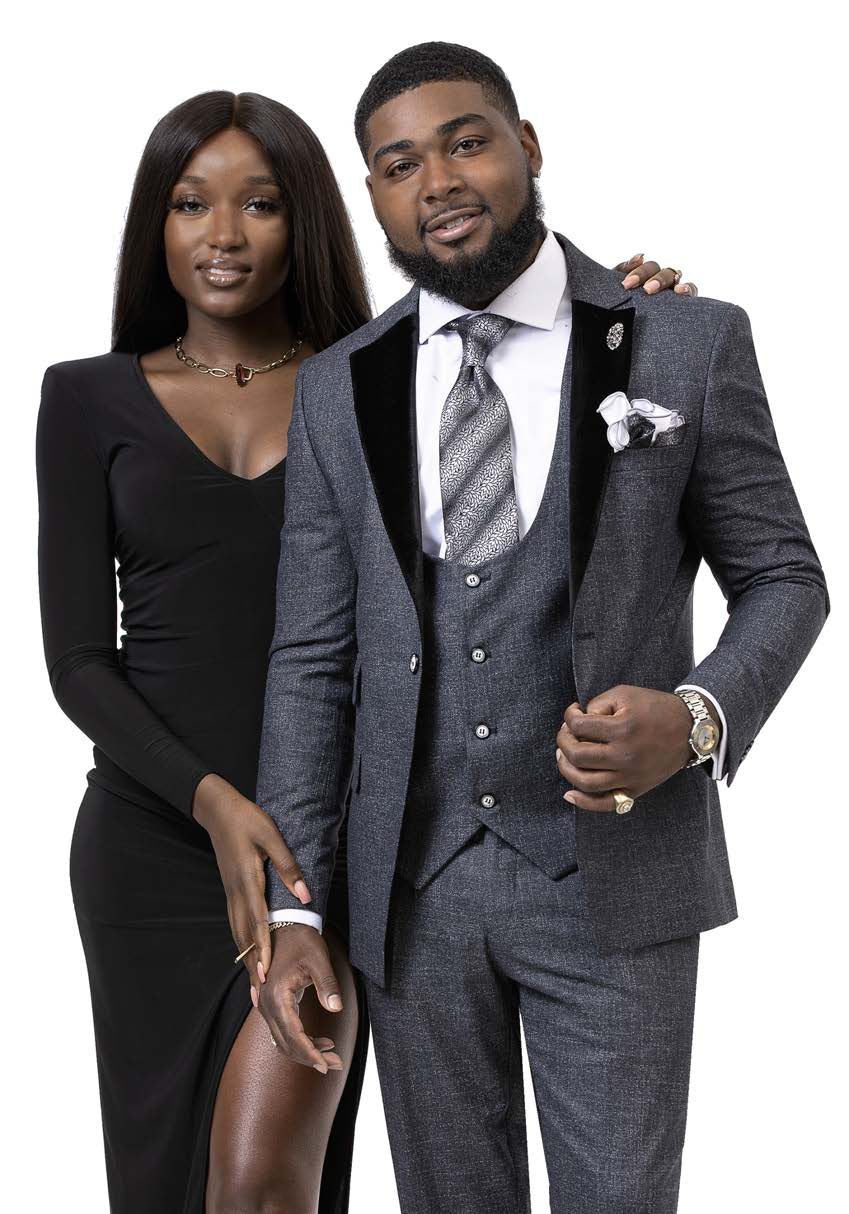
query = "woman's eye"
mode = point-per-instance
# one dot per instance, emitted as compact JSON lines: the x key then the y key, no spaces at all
{"x":189,"y":206}
{"x":267,"y":205}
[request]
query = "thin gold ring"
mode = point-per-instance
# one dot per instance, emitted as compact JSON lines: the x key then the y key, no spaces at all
{"x":623,"y":802}
{"x":677,"y":276}
{"x":272,"y":927}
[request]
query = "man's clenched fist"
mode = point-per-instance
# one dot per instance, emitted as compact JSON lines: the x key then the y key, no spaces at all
{"x":630,"y":739}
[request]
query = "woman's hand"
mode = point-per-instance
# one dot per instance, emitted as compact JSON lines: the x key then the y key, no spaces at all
{"x":244,"y":836}
{"x":649,"y":276}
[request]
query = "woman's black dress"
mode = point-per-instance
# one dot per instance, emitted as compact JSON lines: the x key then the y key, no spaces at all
{"x":197,"y":550}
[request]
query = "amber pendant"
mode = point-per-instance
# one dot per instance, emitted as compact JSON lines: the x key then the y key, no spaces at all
{"x":244,"y":375}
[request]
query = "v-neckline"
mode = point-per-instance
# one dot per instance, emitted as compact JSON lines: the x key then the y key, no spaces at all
{"x":190,"y":442}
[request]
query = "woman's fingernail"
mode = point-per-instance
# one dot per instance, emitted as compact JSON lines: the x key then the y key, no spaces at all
{"x":254,"y":996}
{"x":302,"y":891}
{"x":630,"y":280}
{"x":651,"y":286}
{"x":559,"y":753}
{"x":567,"y":796}
{"x":334,"y":1003}
{"x":260,"y":969}
{"x":322,"y":1070}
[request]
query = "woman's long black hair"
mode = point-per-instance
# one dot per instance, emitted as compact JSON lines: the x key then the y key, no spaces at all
{"x":325,"y":294}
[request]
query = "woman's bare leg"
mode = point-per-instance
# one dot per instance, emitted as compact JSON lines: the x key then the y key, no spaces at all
{"x":272,"y":1117}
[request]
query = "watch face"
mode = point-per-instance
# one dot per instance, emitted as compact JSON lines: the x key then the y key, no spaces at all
{"x":705,"y":737}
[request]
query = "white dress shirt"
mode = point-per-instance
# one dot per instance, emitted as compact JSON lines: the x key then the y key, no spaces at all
{"x":528,"y":366}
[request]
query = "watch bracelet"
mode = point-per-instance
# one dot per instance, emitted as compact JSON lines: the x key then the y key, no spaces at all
{"x":699,"y":712}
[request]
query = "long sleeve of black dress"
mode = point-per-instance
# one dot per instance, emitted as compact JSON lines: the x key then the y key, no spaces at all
{"x":76,"y":568}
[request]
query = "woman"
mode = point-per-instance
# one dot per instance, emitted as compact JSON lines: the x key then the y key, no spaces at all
{"x":168,"y":454}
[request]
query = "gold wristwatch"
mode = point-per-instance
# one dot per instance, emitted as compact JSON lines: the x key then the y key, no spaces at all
{"x":704,"y":736}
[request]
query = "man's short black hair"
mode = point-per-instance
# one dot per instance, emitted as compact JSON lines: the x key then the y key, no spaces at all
{"x":424,"y":64}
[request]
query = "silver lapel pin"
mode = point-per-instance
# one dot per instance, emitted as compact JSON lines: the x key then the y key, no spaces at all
{"x":614,"y":335}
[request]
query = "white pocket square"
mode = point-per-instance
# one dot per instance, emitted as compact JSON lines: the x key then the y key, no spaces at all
{"x":639,"y":423}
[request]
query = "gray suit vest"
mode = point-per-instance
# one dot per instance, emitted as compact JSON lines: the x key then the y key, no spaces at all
{"x":496,"y":677}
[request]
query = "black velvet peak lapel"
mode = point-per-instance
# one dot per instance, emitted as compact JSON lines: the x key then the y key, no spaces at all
{"x":383,"y":378}
{"x":596,"y":372}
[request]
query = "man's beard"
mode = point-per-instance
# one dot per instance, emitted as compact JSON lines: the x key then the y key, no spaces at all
{"x":475,"y":279}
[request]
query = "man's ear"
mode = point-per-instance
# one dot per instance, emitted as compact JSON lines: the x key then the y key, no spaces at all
{"x":370,"y":189}
{"x":530,"y":143}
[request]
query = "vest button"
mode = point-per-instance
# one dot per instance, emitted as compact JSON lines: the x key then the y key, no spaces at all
{"x":414,"y":663}
{"x":482,"y":731}
{"x":488,"y":801}
{"x":473,"y":579}
{"x":478,"y":654}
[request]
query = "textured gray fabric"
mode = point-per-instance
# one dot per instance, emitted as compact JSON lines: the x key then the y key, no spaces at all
{"x":518,"y":616}
{"x":348,"y":626}
{"x":475,"y":455}
{"x":490,"y":939}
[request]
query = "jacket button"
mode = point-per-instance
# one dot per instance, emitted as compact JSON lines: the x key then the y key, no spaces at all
{"x":473,"y":579}
{"x":488,"y":801}
{"x":478,"y":654}
{"x":482,"y":731}
{"x":414,"y":663}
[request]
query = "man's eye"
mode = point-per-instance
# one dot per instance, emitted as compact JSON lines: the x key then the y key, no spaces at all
{"x":469,"y":144}
{"x":399,"y":167}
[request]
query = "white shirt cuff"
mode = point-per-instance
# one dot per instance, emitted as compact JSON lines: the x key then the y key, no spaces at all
{"x":716,"y":762}
{"x":297,"y":916}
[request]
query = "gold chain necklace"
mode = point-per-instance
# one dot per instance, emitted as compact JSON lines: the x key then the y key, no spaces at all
{"x":242,"y":374}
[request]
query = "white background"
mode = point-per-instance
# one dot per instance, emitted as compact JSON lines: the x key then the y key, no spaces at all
{"x":711,"y":136}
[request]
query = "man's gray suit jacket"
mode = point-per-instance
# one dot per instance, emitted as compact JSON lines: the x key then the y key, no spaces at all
{"x":346,"y":658}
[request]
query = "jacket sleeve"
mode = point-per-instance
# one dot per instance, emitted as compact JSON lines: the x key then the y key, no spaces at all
{"x":76,"y":576}
{"x":741,"y":508}
{"x":307,"y":733}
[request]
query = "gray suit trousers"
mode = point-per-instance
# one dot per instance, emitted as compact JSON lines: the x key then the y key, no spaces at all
{"x":491,"y":939}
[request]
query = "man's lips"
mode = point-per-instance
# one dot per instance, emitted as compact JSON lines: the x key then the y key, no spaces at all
{"x":454,"y":225}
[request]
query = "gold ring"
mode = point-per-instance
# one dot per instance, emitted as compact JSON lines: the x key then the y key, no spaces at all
{"x":623,"y":802}
{"x":677,"y":276}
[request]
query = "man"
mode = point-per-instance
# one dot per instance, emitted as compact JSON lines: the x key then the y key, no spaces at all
{"x":498,"y":496}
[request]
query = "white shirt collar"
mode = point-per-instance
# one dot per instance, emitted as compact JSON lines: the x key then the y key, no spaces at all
{"x":531,"y":299}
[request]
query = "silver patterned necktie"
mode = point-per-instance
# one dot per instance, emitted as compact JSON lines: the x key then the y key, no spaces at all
{"x":475,"y":455}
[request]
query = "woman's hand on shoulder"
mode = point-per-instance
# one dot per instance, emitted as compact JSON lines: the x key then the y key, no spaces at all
{"x":648,"y":275}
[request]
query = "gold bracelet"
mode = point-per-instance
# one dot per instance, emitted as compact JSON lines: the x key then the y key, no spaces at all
{"x":272,"y":927}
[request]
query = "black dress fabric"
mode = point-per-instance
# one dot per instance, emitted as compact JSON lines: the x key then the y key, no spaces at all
{"x":182,"y":695}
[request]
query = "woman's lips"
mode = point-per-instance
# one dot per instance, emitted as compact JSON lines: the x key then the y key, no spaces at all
{"x":450,"y":229}
{"x":223,"y":276}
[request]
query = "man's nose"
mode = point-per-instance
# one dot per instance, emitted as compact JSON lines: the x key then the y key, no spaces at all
{"x":440,"y":179}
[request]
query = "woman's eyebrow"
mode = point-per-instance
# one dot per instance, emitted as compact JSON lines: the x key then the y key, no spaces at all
{"x":258,"y":179}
